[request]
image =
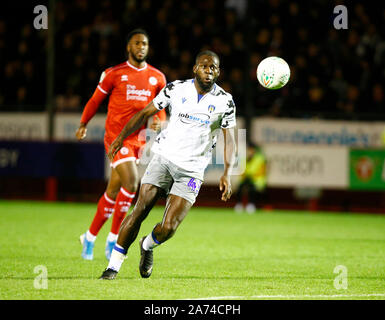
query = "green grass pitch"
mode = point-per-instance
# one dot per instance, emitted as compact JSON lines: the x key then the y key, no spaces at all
{"x":215,"y":254}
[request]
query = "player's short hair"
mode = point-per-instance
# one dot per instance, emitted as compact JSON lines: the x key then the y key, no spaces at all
{"x":207,"y":53}
{"x":137,"y":31}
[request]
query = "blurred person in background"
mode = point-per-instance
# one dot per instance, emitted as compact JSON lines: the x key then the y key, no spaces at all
{"x":130,"y":86}
{"x":253,"y":180}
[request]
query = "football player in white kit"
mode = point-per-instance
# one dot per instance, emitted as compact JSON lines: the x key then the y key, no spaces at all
{"x":199,"y":109}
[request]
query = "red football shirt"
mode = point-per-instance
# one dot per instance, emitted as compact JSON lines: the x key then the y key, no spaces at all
{"x":130,"y":89}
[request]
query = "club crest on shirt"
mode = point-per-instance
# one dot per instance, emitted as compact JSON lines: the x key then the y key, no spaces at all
{"x":124,"y":151}
{"x":211,"y":108}
{"x":153,"y":81}
{"x":124,"y":78}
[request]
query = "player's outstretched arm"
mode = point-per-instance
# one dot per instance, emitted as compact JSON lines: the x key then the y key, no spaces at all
{"x":136,"y":122}
{"x":229,"y":156}
{"x":88,"y":112}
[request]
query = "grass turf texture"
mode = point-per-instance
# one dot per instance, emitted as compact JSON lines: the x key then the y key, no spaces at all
{"x":215,"y":253}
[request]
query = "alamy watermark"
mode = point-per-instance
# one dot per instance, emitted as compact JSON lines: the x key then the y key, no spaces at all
{"x":41,"y":280}
{"x":341,"y":20}
{"x":341,"y":281}
{"x":41,"y":20}
{"x":217,"y":156}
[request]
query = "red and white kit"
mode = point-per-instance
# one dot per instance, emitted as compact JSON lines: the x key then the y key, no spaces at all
{"x":130,"y":89}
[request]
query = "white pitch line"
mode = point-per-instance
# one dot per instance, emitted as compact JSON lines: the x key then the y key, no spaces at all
{"x":292,"y":296}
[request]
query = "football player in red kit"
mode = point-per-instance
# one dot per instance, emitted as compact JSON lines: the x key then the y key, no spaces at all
{"x":130,"y":86}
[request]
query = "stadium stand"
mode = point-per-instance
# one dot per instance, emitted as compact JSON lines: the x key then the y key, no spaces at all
{"x":335,"y":73}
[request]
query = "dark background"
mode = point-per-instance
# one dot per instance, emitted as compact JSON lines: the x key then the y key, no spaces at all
{"x":338,"y":74}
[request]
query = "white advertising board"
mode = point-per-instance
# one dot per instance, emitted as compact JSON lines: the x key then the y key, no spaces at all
{"x":307,"y":166}
{"x":300,"y":153}
{"x":320,"y":132}
{"x":23,"y":126}
{"x":66,"y":125}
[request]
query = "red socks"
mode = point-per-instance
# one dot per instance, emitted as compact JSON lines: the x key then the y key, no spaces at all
{"x":123,"y":203}
{"x":106,"y":207}
{"x":104,"y":210}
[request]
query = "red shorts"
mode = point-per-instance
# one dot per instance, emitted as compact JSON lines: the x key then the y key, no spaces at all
{"x":128,"y":152}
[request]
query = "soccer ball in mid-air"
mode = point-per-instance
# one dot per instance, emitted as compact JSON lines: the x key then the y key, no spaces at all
{"x":273,"y":73}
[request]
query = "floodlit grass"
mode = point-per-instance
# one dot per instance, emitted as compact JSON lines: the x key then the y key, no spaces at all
{"x":215,"y":253}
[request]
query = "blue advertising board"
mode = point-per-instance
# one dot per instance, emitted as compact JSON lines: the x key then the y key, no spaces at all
{"x":52,"y":159}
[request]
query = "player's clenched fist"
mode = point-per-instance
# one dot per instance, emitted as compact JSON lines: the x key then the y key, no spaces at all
{"x":115,"y":146}
{"x":156,"y":124}
{"x":81,"y":132}
{"x":225,"y":186}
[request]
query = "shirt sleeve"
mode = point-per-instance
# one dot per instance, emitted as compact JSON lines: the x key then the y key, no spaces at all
{"x":92,"y":106}
{"x":106,"y":82}
{"x":163,"y":99}
{"x":228,"y":119}
{"x":162,"y":82}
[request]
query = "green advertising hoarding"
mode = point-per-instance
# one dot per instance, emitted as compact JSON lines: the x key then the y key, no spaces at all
{"x":367,"y":169}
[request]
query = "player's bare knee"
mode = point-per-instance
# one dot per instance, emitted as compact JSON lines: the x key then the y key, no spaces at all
{"x":131,"y":186}
{"x":148,"y":193}
{"x":166,"y":232}
{"x":147,"y":188}
{"x":112,"y":190}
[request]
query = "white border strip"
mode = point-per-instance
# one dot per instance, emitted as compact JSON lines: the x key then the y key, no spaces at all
{"x":108,"y":198}
{"x":292,"y":296}
{"x":137,"y":69}
{"x":100,"y":88}
{"x":120,"y":161}
{"x":126,"y":193}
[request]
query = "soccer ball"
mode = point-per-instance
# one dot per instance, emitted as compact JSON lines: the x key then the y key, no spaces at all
{"x":273,"y":73}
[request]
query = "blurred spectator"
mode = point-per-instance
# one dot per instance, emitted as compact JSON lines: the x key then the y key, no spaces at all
{"x":350,"y":105}
{"x":378,"y":99}
{"x":338,"y":85}
{"x":252,"y":185}
{"x":237,"y":89}
{"x":240,"y":7}
{"x":68,"y":101}
{"x":21,"y":97}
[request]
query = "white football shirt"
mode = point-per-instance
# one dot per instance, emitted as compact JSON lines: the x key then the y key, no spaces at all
{"x":194,"y":124}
